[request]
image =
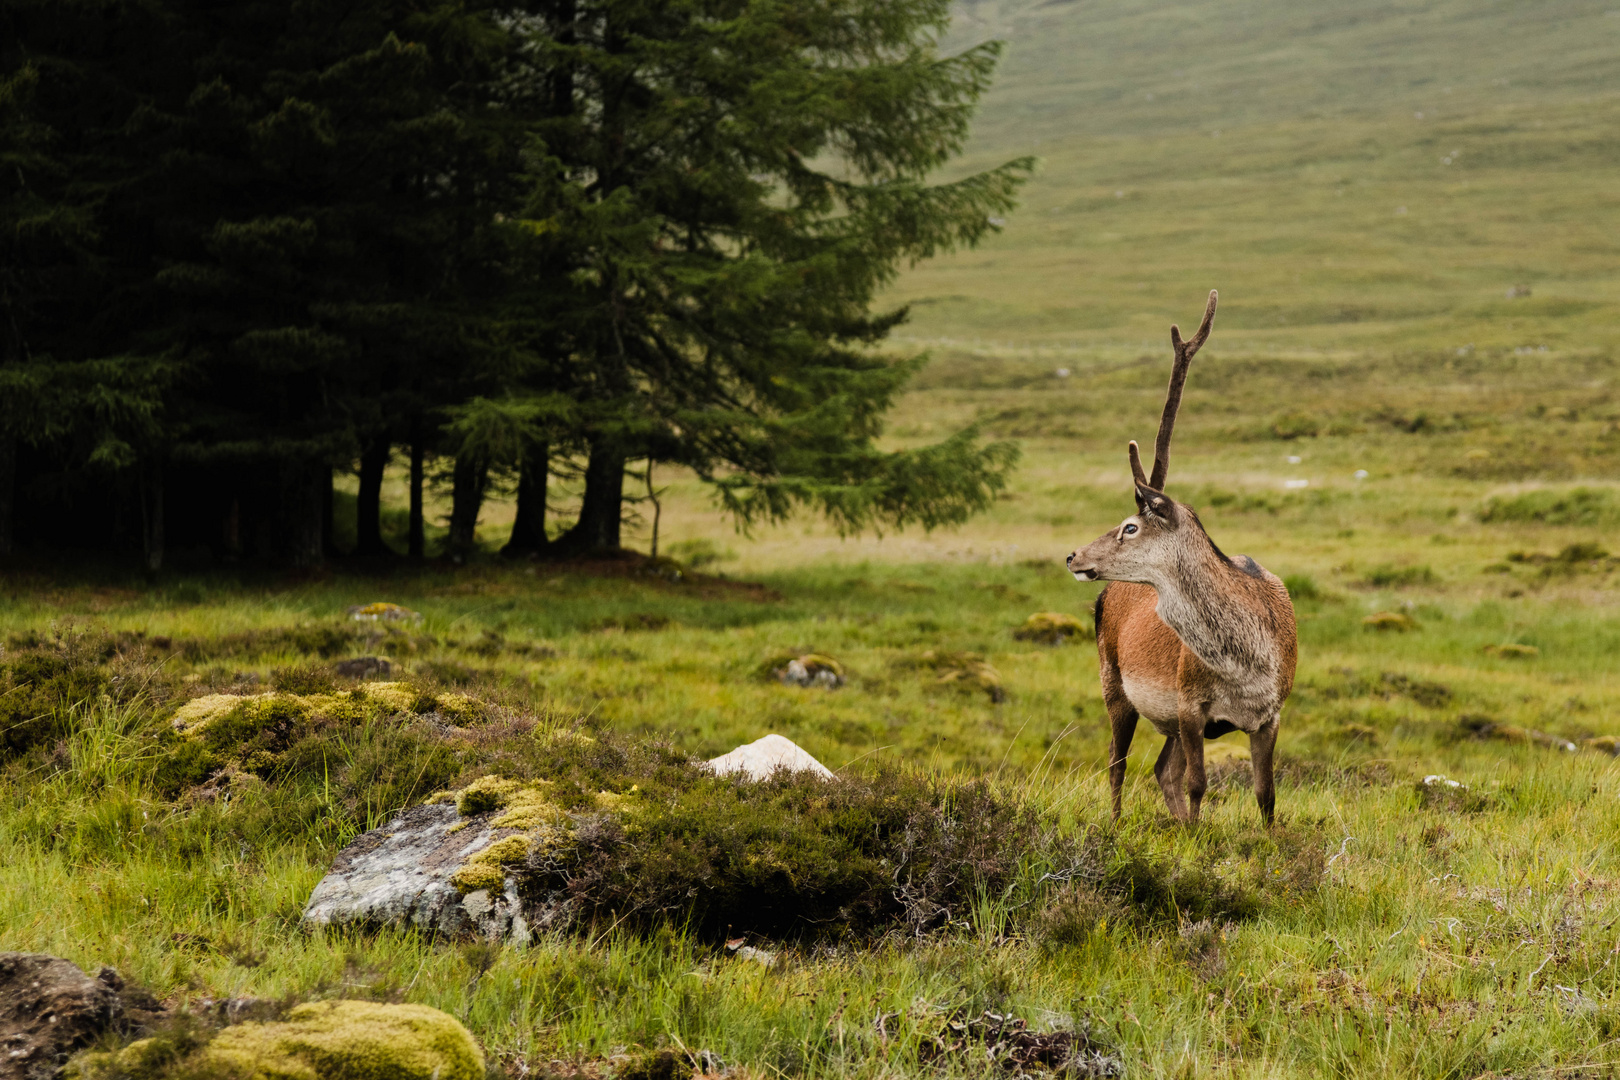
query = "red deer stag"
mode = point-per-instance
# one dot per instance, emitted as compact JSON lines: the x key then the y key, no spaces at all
{"x":1198,"y":642}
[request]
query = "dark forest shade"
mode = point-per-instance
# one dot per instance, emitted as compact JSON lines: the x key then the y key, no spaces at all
{"x":247,"y":245}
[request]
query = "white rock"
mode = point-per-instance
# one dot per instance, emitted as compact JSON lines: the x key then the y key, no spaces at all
{"x":759,"y":956}
{"x":399,"y":875}
{"x":759,"y":759}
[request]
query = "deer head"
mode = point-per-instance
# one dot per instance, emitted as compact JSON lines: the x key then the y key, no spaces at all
{"x":1153,"y":538}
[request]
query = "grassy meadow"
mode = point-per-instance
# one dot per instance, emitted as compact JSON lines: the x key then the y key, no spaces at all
{"x":1432,"y":463}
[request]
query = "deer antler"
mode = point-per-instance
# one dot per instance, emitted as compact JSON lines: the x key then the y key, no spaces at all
{"x":1136,"y":465}
{"x":1185,"y":351}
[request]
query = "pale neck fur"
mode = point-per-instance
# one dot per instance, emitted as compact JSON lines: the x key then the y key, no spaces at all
{"x":1211,"y":606}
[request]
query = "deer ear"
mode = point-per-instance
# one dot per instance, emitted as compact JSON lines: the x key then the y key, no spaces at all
{"x":1155,"y":504}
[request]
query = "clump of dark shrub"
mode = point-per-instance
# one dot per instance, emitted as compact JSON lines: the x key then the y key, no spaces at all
{"x":1201,"y":945}
{"x":1302,"y":587}
{"x":1554,"y":506}
{"x":791,"y":856}
{"x":488,"y":644}
{"x":1162,"y":888}
{"x":447,"y":672}
{"x":1104,"y":880}
{"x":304,"y":679}
{"x":1431,"y":695}
{"x":1450,"y":796}
{"x":1398,"y":577}
{"x":640,"y":620}
{"x":39,"y":688}
{"x":1073,"y":913}
{"x":1009,"y":1045}
{"x":325,"y":640}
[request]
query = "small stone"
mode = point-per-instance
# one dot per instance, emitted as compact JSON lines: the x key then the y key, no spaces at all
{"x":363,"y":667}
{"x":763,"y":957}
{"x":761,"y":758}
{"x":383,"y":612}
{"x":812,"y":669}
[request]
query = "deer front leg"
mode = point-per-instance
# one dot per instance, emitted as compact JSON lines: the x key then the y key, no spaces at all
{"x":1122,"y":717}
{"x":1261,"y":746}
{"x":1168,"y":772}
{"x":1192,"y":751}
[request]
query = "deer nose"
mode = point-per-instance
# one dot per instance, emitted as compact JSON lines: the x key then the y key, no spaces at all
{"x":1070,"y":560}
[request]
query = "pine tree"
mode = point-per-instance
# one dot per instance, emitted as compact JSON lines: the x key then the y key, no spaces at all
{"x":722,"y":188}
{"x":287,"y":210}
{"x":75,"y":407}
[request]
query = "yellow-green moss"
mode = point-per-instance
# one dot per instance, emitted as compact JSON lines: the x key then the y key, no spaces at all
{"x":484,"y":793}
{"x":814,"y":662}
{"x":616,"y":803}
{"x":485,"y":870}
{"x":563,"y":737}
{"x":525,"y":806}
{"x":528,"y":808}
{"x":329,"y":1040}
{"x":525,"y":803}
{"x":352,"y":1040}
{"x":372,"y":699}
{"x":1385,"y":621}
{"x":141,"y":1058}
{"x":196,"y":714}
{"x":966,"y":670}
{"x":474,"y":876}
{"x":391,"y":697}
{"x":461,"y":707}
{"x":339,"y":705}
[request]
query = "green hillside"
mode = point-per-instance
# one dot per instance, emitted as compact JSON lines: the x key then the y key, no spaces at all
{"x":1114,"y":67}
{"x":1350,"y":176}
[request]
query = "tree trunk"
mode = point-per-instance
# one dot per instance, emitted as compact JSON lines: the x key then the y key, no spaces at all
{"x":466,"y":499}
{"x":302,"y":486}
{"x":8,"y":492}
{"x":529,"y":526}
{"x":418,"y":533}
{"x":152,"y":514}
{"x":597,"y":530}
{"x":231,"y":530}
{"x":368,"y":505}
{"x":328,"y":539}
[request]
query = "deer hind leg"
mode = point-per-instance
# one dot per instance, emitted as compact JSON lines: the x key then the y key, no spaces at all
{"x":1168,"y":771}
{"x":1261,"y":745}
{"x":1122,"y":717}
{"x":1192,"y":752}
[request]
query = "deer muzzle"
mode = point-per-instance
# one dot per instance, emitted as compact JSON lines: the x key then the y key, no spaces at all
{"x":1081,"y":567}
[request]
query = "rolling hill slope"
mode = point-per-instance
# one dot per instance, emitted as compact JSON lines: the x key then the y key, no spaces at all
{"x":1354,"y":176}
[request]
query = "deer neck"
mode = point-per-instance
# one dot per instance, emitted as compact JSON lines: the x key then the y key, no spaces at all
{"x":1206,"y":601}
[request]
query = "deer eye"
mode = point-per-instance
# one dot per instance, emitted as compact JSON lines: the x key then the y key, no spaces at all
{"x":1130,"y":530}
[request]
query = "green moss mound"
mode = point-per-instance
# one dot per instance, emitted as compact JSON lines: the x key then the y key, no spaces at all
{"x":326,"y":1040}
{"x":1052,"y":628}
{"x":276,"y":735}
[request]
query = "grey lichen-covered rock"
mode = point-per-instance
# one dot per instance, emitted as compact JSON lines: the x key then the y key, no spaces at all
{"x":762,"y":757}
{"x":399,"y":875}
